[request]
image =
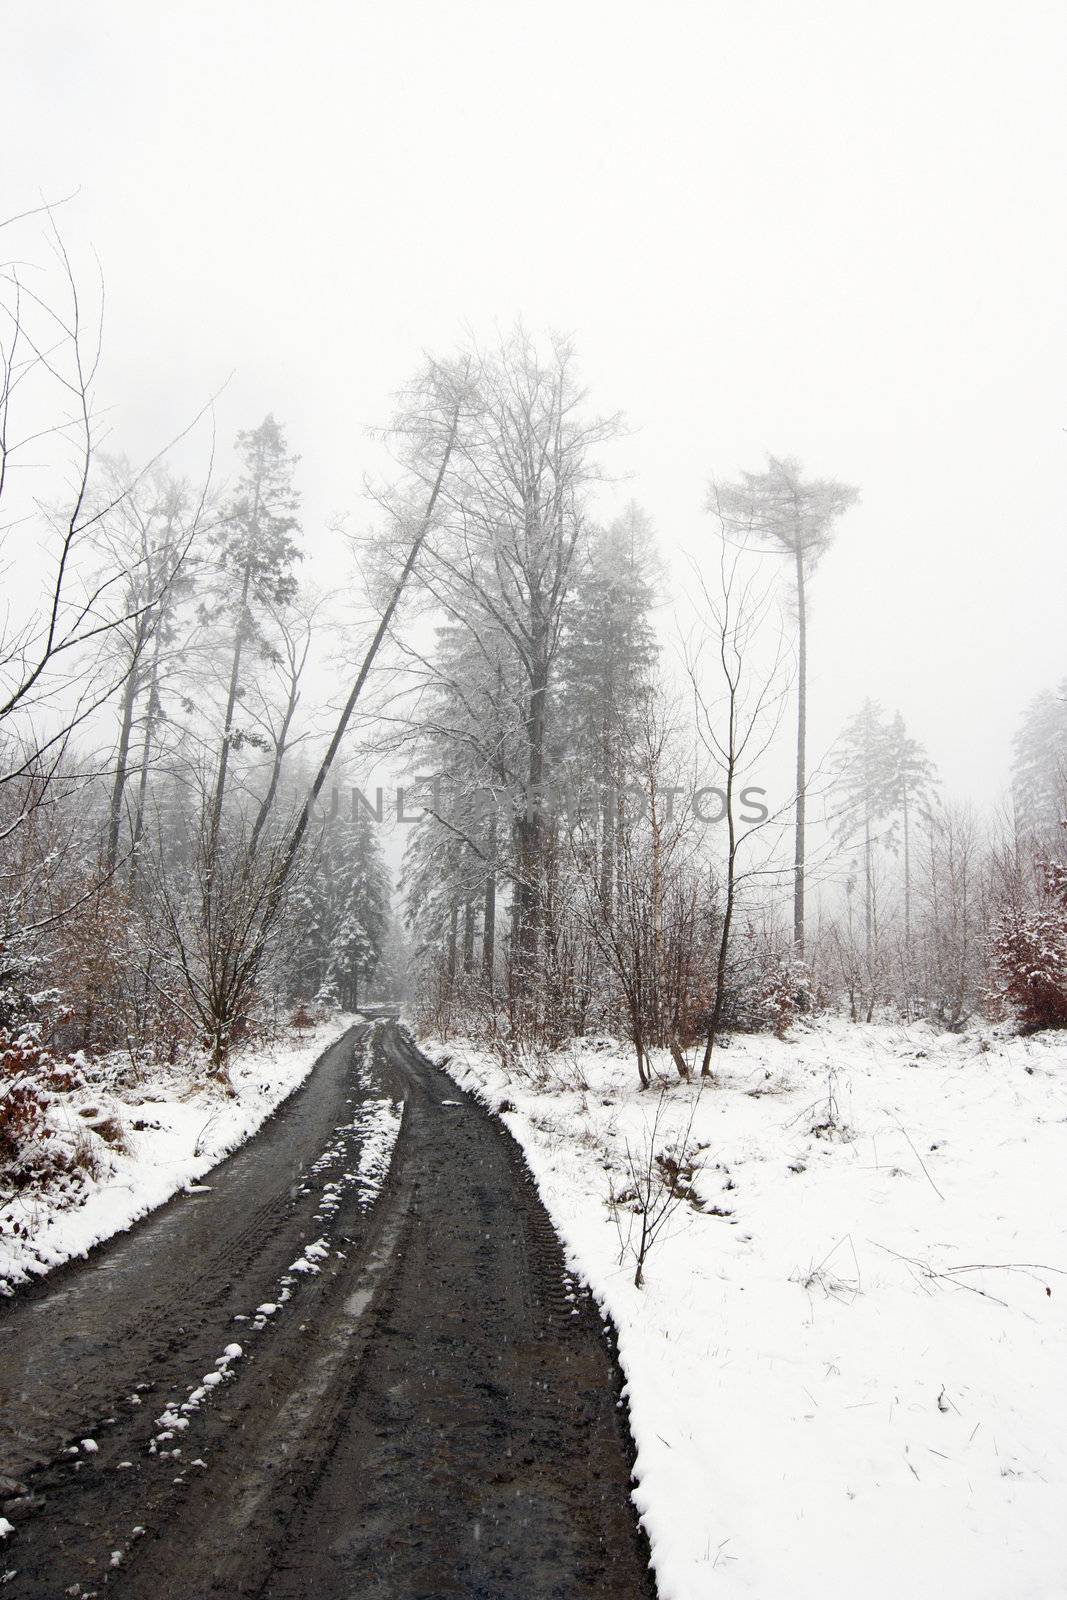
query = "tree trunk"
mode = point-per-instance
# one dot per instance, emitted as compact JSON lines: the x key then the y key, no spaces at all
{"x":644,"y":1076}
{"x":468,"y":937}
{"x":300,"y":827}
{"x":489,"y":929}
{"x":118,"y":788}
{"x":731,"y":882}
{"x":802,"y":775}
{"x":453,"y":936}
{"x":267,"y":803}
{"x":907,"y":869}
{"x":151,"y":718}
{"x":231,"y":703}
{"x":607,"y":845}
{"x":868,"y":891}
{"x":531,"y":834}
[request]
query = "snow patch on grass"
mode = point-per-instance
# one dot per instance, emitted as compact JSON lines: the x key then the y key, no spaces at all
{"x":845,"y":1368}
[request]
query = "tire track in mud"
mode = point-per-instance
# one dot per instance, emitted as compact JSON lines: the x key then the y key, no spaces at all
{"x":435,"y":1411}
{"x":486,"y":1452}
{"x":68,"y":1339}
{"x":102,"y":1350}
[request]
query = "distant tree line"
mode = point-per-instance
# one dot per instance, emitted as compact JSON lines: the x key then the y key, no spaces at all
{"x":172,"y":884}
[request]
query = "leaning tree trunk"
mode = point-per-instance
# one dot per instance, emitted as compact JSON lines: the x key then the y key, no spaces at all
{"x":281,"y":747}
{"x":280,"y":875}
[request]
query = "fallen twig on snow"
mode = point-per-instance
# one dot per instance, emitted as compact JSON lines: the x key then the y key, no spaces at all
{"x":920,"y":1160}
{"x":931,"y":1272}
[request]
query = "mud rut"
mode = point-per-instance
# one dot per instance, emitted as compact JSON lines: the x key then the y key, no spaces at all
{"x":435,"y":1412}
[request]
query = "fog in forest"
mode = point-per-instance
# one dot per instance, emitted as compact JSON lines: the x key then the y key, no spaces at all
{"x":804,"y":231}
{"x":533,"y":799}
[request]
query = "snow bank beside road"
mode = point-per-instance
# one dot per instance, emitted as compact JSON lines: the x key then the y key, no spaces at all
{"x":842,"y":1373}
{"x":172,"y":1138}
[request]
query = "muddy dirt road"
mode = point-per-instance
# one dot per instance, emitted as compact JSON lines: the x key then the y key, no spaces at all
{"x":312,"y":1378}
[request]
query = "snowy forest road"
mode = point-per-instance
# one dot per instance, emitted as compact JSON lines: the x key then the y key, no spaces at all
{"x":422,"y":1405}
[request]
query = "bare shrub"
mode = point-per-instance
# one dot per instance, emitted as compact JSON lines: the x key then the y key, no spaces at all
{"x":661,"y":1179}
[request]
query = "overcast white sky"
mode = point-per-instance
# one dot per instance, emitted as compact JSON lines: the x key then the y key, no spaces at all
{"x":836,"y":230}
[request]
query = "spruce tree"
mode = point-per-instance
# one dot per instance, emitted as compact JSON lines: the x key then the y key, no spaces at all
{"x":1039,"y":767}
{"x":256,"y":553}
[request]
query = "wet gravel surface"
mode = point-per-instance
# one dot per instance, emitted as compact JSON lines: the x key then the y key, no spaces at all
{"x":433,"y":1409}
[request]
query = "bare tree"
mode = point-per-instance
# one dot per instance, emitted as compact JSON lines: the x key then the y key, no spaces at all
{"x":661,"y":1175}
{"x":957,"y":913}
{"x":211,"y":932}
{"x":737,"y":716}
{"x":279,"y":698}
{"x":647,"y":930}
{"x":148,"y":534}
{"x":55,"y":672}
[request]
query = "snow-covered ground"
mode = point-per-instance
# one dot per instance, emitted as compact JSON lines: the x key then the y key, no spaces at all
{"x":846,"y":1368}
{"x":171,"y":1136}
